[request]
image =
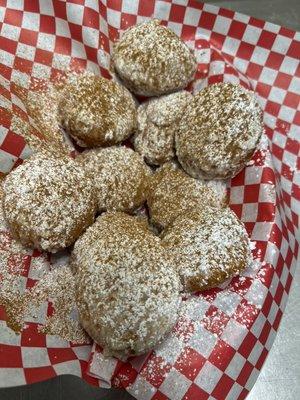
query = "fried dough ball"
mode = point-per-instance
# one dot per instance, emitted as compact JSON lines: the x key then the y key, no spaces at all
{"x":127,"y":291}
{"x":96,"y":111}
{"x":157,"y":120}
{"x":173,"y":192}
{"x":120,"y":177}
{"x":48,"y":202}
{"x":208,"y":247}
{"x":152,"y":60}
{"x":219,"y":131}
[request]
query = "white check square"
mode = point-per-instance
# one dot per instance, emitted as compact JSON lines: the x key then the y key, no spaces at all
{"x":208,"y":377}
{"x":35,"y":357}
{"x":141,"y":389}
{"x":31,"y":21}
{"x":191,"y":16}
{"x":75,"y":13}
{"x":175,"y":385}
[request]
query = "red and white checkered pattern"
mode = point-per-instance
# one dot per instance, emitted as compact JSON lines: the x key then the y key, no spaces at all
{"x":223,"y":337}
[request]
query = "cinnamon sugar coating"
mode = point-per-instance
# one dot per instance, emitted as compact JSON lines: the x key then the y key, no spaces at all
{"x":96,"y":111}
{"x":152,"y":60}
{"x":48,"y":202}
{"x":219,"y":131}
{"x":127,"y":290}
{"x":208,"y":247}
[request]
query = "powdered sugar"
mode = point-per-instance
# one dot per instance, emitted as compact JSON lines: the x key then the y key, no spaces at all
{"x":42,"y":129}
{"x":219,"y":131}
{"x":96,"y":111}
{"x":48,"y":202}
{"x":42,"y":108}
{"x":157,"y":120}
{"x":58,"y":287}
{"x":152,"y":60}
{"x":13,"y":257}
{"x":128,"y":292}
{"x":21,"y":304}
{"x":173,"y":192}
{"x":120,"y":177}
{"x":207,"y":247}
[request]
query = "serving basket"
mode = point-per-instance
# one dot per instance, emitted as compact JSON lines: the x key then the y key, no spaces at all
{"x":223,"y":335}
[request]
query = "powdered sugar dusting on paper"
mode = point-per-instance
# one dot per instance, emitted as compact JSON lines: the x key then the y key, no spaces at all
{"x":22,"y":304}
{"x":42,"y":105}
{"x":58,"y":287}
{"x":41,"y":128}
{"x":13,"y":259}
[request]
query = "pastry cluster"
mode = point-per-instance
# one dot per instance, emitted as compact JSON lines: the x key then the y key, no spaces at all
{"x":148,"y":218}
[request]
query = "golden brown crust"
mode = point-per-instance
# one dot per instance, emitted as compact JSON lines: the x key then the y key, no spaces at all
{"x":48,"y":202}
{"x":120,"y":176}
{"x":96,"y":111}
{"x":173,"y":192}
{"x":157,"y":120}
{"x":127,"y":290}
{"x":219,"y":131}
{"x":208,"y":247}
{"x":152,"y":60}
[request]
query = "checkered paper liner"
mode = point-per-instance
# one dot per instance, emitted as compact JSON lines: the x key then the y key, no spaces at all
{"x":223,"y":336}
